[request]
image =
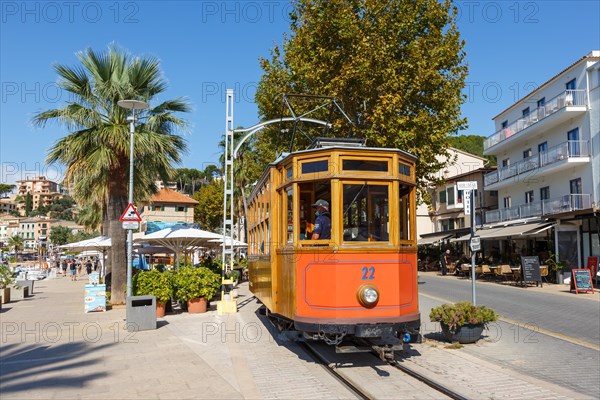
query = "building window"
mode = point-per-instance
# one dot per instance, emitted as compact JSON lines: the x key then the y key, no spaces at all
{"x":180,"y":208}
{"x":529,"y":197}
{"x":443,"y":197}
{"x":506,"y":162}
{"x":526,"y":112}
{"x":573,"y":141}
{"x":450,"y":196}
{"x":541,"y":102}
{"x":545,"y":193}
{"x":504,"y":124}
{"x":507,"y":202}
{"x":571,"y":84}
{"x":459,"y":196}
{"x":493,"y":193}
{"x":527,"y":153}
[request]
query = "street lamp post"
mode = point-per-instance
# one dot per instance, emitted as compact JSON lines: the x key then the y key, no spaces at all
{"x":131,"y":105}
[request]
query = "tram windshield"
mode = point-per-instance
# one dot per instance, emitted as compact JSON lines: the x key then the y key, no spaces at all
{"x":366,"y":212}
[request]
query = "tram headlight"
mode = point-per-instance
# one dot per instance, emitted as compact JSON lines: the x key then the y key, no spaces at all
{"x":368,"y":296}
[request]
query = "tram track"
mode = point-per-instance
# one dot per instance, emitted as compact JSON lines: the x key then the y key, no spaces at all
{"x":364,"y":393}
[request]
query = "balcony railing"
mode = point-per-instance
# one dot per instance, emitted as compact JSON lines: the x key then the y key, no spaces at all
{"x":569,"y":149}
{"x":567,"y":98}
{"x":566,"y":203}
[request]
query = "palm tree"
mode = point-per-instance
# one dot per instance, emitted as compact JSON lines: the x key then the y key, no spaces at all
{"x":16,"y":243}
{"x":96,"y":152}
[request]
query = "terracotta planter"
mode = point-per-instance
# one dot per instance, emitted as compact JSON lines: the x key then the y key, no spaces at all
{"x":464,"y":334}
{"x":197,"y":306}
{"x":160,"y":309}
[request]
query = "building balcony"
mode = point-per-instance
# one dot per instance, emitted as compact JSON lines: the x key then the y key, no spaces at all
{"x":552,"y":160}
{"x":557,"y":110}
{"x":549,"y":207}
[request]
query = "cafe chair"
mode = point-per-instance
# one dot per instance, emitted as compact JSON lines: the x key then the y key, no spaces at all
{"x":506,"y":272}
{"x":544,"y":272}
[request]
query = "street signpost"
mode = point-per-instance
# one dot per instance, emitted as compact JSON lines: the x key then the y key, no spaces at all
{"x":469,"y":187}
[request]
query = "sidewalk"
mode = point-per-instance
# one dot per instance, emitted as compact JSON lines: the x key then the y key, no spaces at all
{"x":51,"y":349}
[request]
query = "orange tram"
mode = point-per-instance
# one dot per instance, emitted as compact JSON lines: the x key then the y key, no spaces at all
{"x":356,"y":289}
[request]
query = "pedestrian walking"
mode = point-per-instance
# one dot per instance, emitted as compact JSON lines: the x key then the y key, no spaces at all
{"x":445,"y":262}
{"x":88,"y":266}
{"x":64,"y":267}
{"x":73,"y":270}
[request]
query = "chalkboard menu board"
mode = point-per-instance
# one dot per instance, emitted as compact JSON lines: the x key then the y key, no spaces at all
{"x":530,"y":266}
{"x":581,"y":280}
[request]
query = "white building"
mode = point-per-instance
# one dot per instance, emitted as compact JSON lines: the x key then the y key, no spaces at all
{"x":458,"y":164}
{"x":548,"y":150}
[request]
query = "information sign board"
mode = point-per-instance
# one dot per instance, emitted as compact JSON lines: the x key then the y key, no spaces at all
{"x":95,"y":298}
{"x":592,"y":265}
{"x":466,"y":185}
{"x":581,"y":280}
{"x":467,"y":201}
{"x":130,"y":224}
{"x":530,"y":265}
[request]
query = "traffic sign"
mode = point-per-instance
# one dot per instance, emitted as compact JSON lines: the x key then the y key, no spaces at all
{"x":475,"y":243}
{"x":466,"y":185}
{"x":130,"y":214}
{"x":131,"y":225}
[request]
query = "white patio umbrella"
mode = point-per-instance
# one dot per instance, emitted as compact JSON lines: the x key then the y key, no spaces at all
{"x":236,"y":243}
{"x":179,"y":238}
{"x":99,"y":243}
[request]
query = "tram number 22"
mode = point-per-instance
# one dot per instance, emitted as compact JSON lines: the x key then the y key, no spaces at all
{"x":368,"y":273}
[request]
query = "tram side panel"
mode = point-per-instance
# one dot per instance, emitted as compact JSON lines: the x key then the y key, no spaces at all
{"x":327,"y":288}
{"x":260,"y":277}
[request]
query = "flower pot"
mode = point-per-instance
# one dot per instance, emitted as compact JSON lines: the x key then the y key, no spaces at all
{"x":160,"y":309}
{"x":463,"y":334}
{"x":197,"y":306}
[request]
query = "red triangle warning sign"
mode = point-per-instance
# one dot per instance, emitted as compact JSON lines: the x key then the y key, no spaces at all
{"x":130,"y":214}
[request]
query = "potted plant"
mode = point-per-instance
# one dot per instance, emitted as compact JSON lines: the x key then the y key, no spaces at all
{"x":6,"y":280}
{"x":462,"y":322}
{"x":196,"y":286}
{"x":155,"y":283}
{"x":557,"y":266}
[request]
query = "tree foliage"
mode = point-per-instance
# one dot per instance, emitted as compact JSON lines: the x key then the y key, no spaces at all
{"x":472,"y":144}
{"x":6,"y":188}
{"x":28,"y":204}
{"x":209,"y":210}
{"x":60,"y":235}
{"x":397,"y":67}
{"x":189,"y":179}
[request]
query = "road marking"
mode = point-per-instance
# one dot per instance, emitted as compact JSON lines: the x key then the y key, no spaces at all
{"x":524,"y":324}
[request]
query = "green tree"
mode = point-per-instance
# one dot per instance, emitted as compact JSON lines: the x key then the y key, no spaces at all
{"x":209,"y":210}
{"x":60,"y":235}
{"x":96,"y":152}
{"x":28,"y":204}
{"x":17,"y":244}
{"x":397,"y":66}
{"x":5,"y":189}
{"x":472,"y":144}
{"x":90,"y":216}
{"x":188,"y":179}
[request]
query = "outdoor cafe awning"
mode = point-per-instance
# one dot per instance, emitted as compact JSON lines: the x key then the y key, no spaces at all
{"x":433,"y":239}
{"x":513,"y":231}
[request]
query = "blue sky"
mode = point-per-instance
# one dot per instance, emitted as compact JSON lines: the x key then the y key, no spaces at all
{"x":209,"y":46}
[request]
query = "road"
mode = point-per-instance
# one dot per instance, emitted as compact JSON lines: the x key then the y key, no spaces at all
{"x":573,"y":316}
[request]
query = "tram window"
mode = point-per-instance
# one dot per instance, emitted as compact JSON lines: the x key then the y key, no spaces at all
{"x":404,"y":169}
{"x":366,"y":213}
{"x":290,"y":216}
{"x":404,"y":212}
{"x":364,"y":165}
{"x":309,"y":193}
{"x":288,"y":173}
{"x":314,"y":166}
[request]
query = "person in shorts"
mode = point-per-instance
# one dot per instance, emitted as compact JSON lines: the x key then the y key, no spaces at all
{"x":73,"y":270}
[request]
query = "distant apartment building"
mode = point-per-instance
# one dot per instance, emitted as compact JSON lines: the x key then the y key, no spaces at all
{"x":42,"y":190}
{"x":434,"y":219}
{"x":7,"y":206}
{"x":169,"y":206}
{"x":548,"y":150}
{"x":160,"y":185}
{"x":32,"y":230}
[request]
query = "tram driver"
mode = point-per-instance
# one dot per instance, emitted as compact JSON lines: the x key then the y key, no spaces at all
{"x":322,"y":228}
